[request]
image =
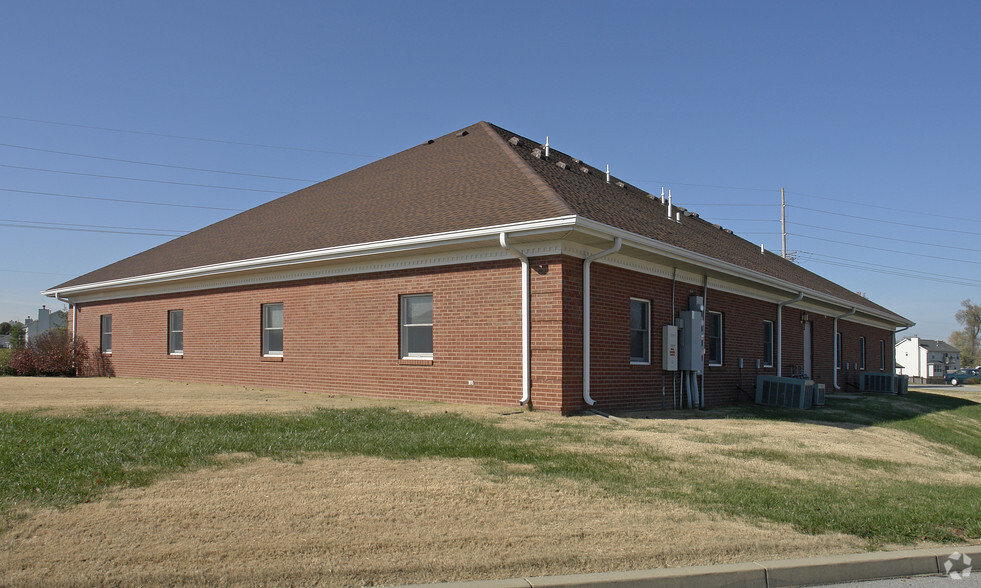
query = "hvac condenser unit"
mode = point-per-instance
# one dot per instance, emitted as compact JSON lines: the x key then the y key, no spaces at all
{"x":819,"y":395}
{"x":878,"y":382}
{"x":784,"y":392}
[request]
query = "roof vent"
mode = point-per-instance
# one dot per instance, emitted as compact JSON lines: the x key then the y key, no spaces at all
{"x":562,"y":164}
{"x":729,"y":231}
{"x":717,"y":226}
{"x":514,"y":141}
{"x":546,"y":146}
{"x":584,"y":170}
{"x":537,"y":153}
{"x":681,"y":209}
{"x":576,"y":161}
{"x":621,"y":185}
{"x":607,"y":173}
{"x":430,"y":142}
{"x":463,"y":133}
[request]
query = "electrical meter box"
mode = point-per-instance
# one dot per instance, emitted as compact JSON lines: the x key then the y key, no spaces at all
{"x":669,"y":353}
{"x":691,"y":355}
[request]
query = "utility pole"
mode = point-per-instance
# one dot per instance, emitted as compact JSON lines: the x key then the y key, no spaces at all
{"x":783,"y":222}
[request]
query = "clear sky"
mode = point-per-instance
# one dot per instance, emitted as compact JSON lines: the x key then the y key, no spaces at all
{"x":868,"y":113}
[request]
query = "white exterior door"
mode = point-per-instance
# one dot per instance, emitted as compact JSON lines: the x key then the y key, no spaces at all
{"x":807,"y":350}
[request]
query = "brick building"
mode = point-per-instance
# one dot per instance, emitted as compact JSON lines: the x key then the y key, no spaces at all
{"x":470,"y":269}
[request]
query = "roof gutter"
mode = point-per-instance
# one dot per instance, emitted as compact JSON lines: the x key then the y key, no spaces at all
{"x":617,"y":242}
{"x":800,"y":296}
{"x":837,"y":367}
{"x":525,"y":319}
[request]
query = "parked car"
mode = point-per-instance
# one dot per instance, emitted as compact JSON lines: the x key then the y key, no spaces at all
{"x":964,"y":376}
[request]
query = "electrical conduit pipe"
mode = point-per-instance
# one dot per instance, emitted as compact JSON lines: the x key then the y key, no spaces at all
{"x":617,"y":242}
{"x":525,"y":319}
{"x":846,"y":315}
{"x":800,"y":296}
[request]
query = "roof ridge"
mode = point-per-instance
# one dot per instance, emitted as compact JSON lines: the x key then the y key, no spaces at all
{"x":536,"y":179}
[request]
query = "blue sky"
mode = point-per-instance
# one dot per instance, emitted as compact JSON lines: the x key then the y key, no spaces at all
{"x":866,"y":112}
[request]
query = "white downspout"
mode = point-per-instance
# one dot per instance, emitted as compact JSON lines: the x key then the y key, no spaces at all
{"x":74,"y":315}
{"x":617,"y":242}
{"x":525,"y":320}
{"x":835,"y":362}
{"x":800,"y":296}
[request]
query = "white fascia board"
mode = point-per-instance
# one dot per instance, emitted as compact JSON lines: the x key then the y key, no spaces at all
{"x":330,"y":254}
{"x":672,"y":251}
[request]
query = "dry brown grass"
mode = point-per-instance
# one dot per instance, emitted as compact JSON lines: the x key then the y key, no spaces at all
{"x":356,"y":521}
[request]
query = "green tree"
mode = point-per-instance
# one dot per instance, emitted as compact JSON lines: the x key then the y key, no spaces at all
{"x":967,"y":339}
{"x":17,"y":332}
{"x":4,"y":328}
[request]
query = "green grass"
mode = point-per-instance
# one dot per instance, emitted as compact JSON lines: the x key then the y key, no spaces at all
{"x":51,"y":460}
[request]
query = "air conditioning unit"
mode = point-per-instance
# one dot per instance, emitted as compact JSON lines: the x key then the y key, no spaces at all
{"x":784,"y":392}
{"x":902,"y":385}
{"x":818,"y":394}
{"x":879,"y":382}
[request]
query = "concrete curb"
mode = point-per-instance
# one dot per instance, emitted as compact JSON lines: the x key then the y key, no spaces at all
{"x":853,"y":567}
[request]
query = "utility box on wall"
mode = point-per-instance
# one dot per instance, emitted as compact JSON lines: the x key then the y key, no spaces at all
{"x":692,"y":341}
{"x":669,"y":349}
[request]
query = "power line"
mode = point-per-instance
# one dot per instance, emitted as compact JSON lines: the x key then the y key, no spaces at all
{"x":199,"y":169}
{"x":21,"y":226}
{"x":55,"y":194}
{"x":56,"y":171}
{"x":661,"y":182}
{"x":186,"y":138}
{"x":893,"y":271}
{"x":863,"y":246}
{"x":11,"y":220}
{"x":13,"y":271}
{"x":901,"y":240}
{"x":856,"y":203}
{"x":945,"y":229}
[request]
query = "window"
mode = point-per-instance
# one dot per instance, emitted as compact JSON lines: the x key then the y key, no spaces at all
{"x":640,"y":331}
{"x":417,"y":326}
{"x":175,"y":332}
{"x":861,"y":348}
{"x":105,"y":333}
{"x":838,"y":355}
{"x":714,"y":327}
{"x":882,"y":355}
{"x":272,"y":329}
{"x":767,"y":343}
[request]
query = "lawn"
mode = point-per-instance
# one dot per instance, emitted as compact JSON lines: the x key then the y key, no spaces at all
{"x":858,"y":474}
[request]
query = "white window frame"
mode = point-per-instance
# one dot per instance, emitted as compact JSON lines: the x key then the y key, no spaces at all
{"x":710,"y":316}
{"x":646,"y":330}
{"x":405,"y":326}
{"x":267,"y":329}
{"x":172,"y":348}
{"x":768,"y":338}
{"x":105,"y":333}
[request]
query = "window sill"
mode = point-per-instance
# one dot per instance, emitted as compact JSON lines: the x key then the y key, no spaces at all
{"x":272,"y":358}
{"x":415,"y":361}
{"x":640,"y":363}
{"x":175,"y":356}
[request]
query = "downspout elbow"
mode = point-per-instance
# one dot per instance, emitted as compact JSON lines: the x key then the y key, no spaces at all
{"x":617,"y":243}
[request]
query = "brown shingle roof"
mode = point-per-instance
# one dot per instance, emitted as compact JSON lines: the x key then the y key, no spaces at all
{"x":476,"y":177}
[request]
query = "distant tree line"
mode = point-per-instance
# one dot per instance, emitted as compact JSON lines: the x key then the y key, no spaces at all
{"x":968,"y":339}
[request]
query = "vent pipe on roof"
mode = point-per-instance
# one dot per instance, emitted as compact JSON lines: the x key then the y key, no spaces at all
{"x":677,"y":217}
{"x":546,"y":146}
{"x":662,"y":196}
{"x":669,"y":205}
{"x":762,"y":248}
{"x":607,"y":173}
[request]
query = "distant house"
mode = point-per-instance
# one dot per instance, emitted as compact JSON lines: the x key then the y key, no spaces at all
{"x":926,"y":358}
{"x":46,"y":320}
{"x":479,"y":267}
{"x":4,"y":341}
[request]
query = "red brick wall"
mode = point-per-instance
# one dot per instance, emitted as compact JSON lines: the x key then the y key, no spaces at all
{"x":617,"y":385}
{"x":341,"y":335}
